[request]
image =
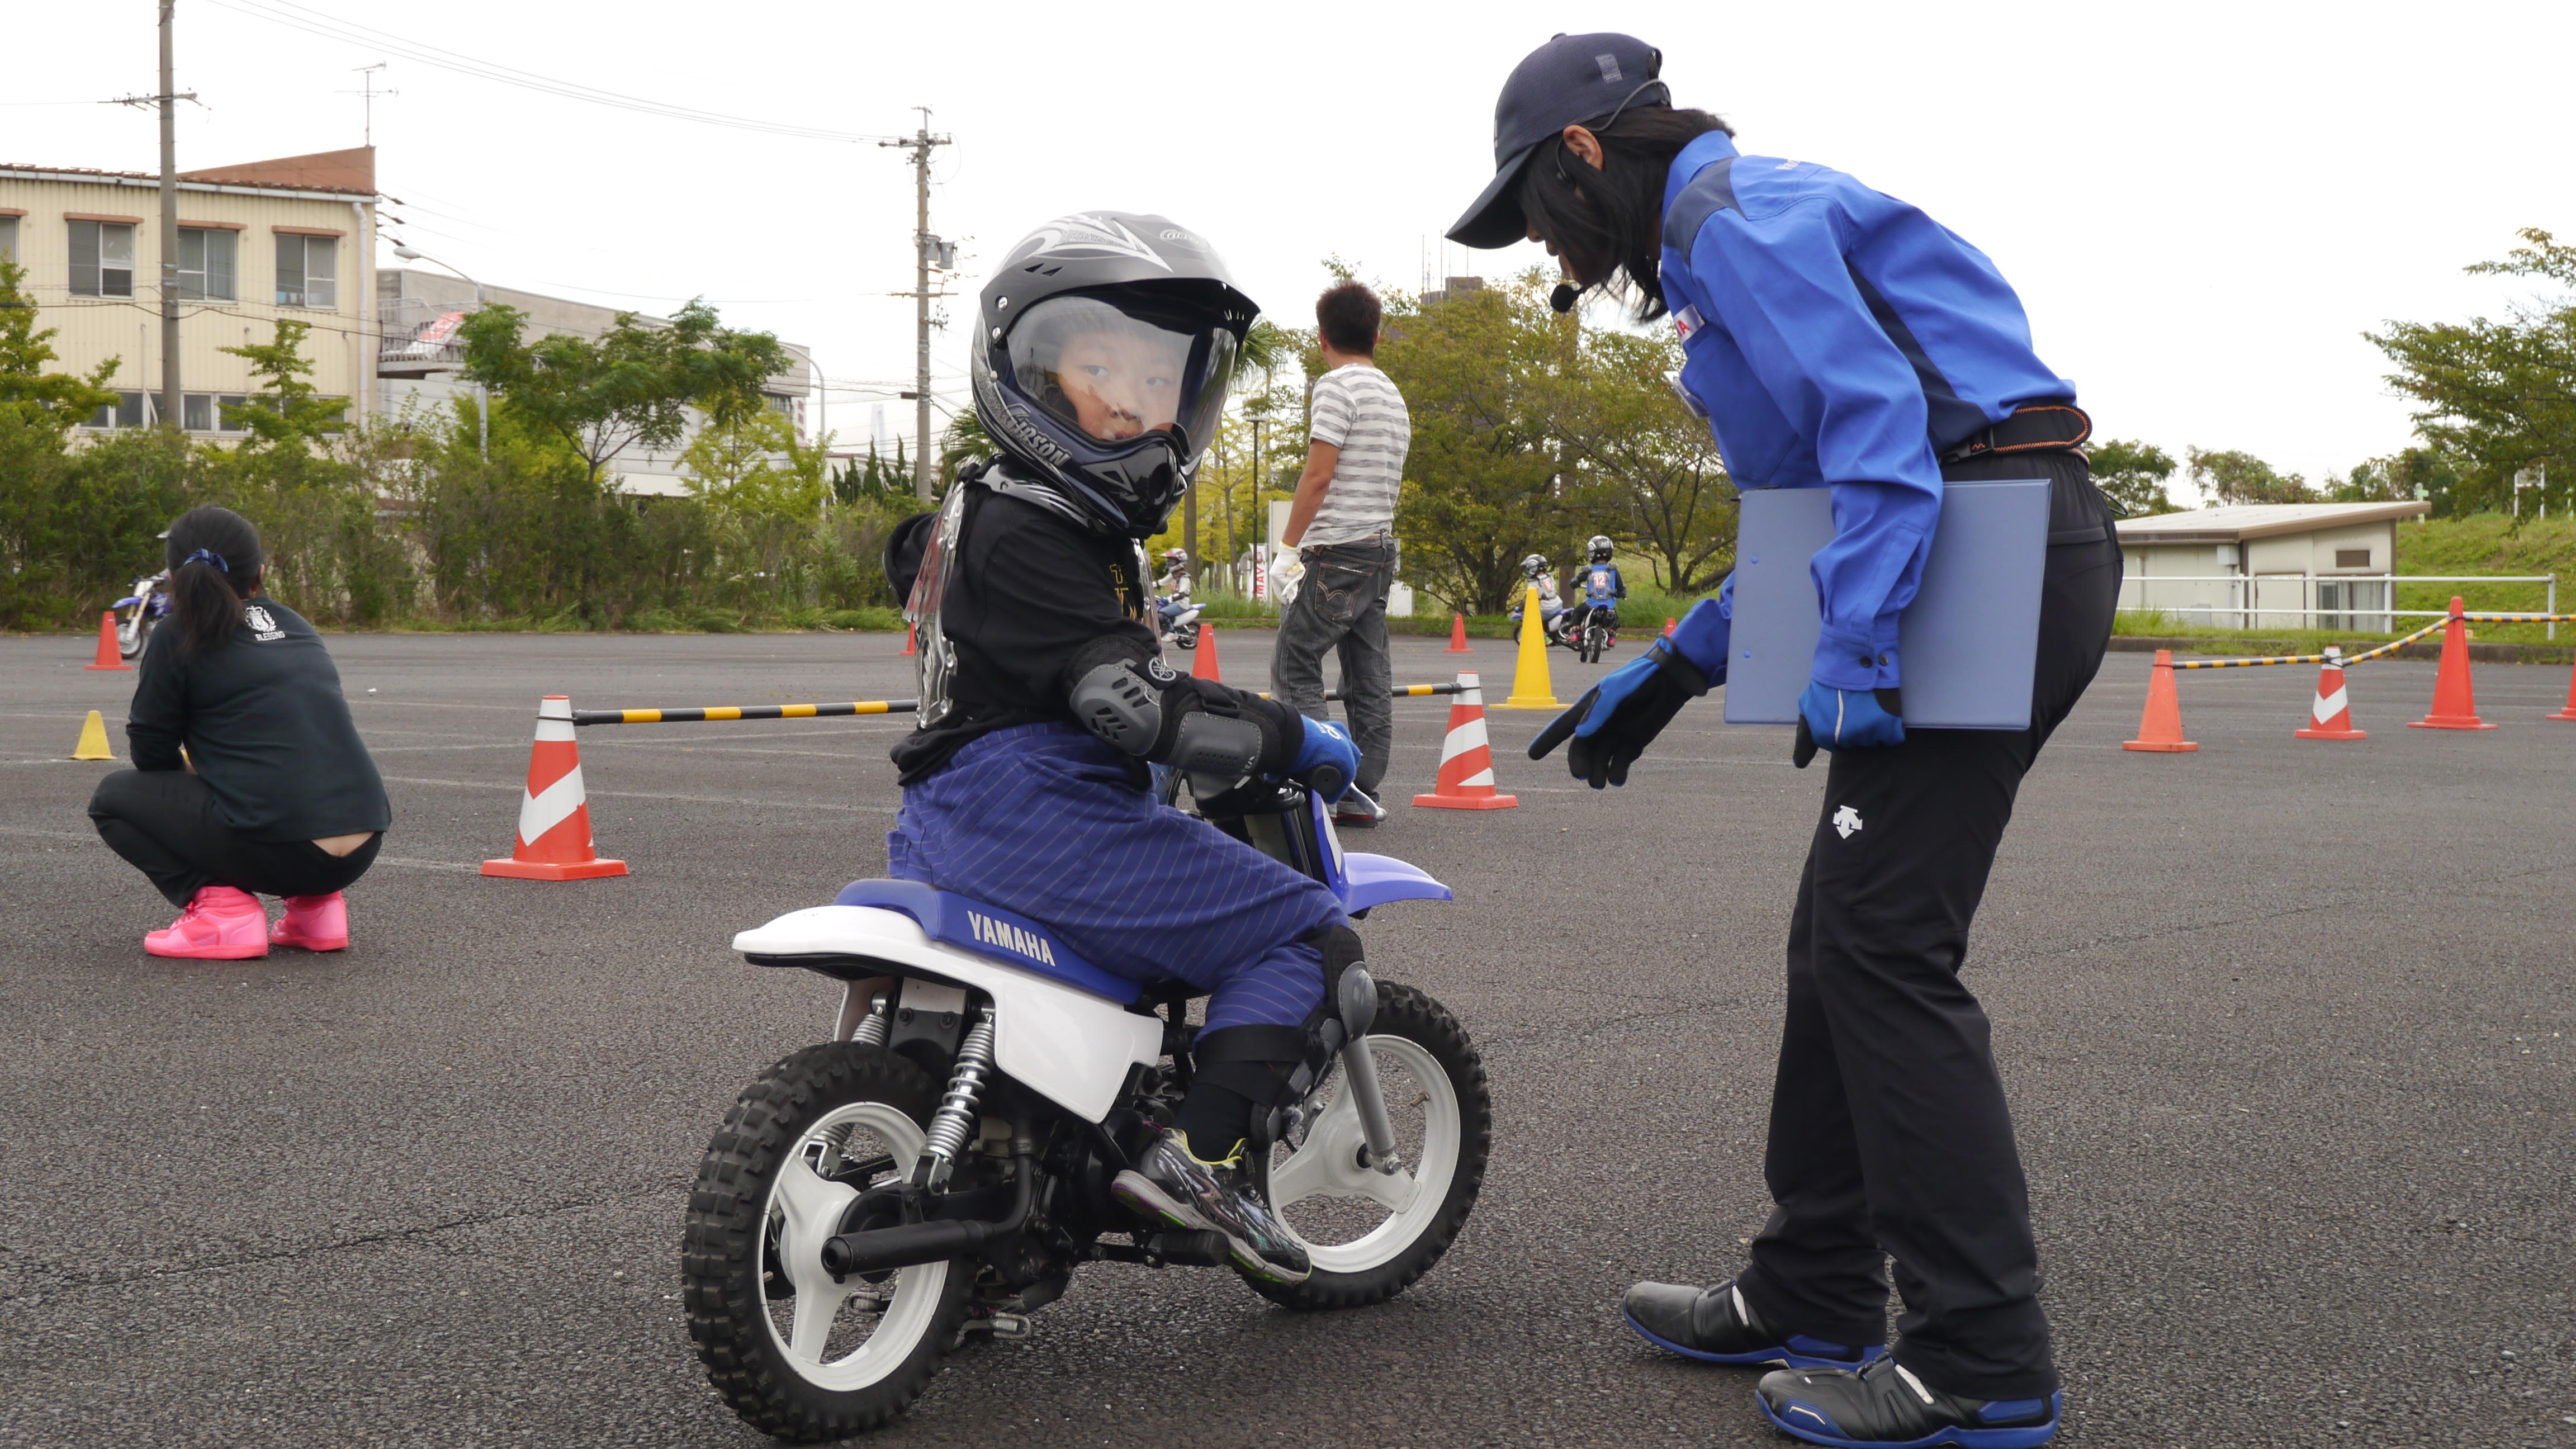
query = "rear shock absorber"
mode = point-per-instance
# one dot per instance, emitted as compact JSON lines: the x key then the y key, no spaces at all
{"x":872,"y":1031}
{"x":954,"y":1123}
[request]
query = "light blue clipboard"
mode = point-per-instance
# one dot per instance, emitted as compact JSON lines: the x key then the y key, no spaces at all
{"x":1967,"y":644}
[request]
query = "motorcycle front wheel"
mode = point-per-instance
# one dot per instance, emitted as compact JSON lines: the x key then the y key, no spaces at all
{"x":1369,"y":1234}
{"x":798,"y":1355}
{"x":131,"y":639}
{"x":1187,"y":636}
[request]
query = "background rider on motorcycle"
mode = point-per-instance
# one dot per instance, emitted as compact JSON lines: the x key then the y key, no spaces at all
{"x":1172,"y":586}
{"x":1535,"y":574}
{"x":1602,"y":586}
{"x":1103,"y":350}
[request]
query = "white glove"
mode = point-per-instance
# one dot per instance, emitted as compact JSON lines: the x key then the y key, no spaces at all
{"x":1287,"y":570}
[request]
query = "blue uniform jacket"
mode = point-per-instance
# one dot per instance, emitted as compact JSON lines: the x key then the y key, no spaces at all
{"x":1840,"y":338}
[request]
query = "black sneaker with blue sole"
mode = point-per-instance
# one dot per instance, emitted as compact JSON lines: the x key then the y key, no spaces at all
{"x":1884,"y":1406}
{"x":1716,"y":1325}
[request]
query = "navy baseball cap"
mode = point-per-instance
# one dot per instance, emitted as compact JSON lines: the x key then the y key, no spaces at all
{"x":1573,"y":80}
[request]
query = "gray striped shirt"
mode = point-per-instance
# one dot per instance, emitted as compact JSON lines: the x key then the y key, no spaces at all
{"x":1357,"y":409}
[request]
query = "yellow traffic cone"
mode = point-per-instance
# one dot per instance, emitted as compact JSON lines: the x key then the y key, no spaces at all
{"x":1530,"y":689}
{"x":93,"y":739}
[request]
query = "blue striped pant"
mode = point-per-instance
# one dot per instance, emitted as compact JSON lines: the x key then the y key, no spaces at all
{"x":1044,"y":820}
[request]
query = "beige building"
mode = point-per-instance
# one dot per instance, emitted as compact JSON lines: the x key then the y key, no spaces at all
{"x":2267,"y":565}
{"x":293,"y":237}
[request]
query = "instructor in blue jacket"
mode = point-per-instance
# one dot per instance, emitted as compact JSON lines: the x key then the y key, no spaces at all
{"x":1839,"y":338}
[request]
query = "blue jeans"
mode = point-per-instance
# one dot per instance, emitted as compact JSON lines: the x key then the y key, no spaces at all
{"x":1043,"y":819}
{"x":1342,"y":607}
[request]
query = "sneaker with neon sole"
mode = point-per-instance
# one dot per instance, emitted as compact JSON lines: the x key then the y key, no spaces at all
{"x":1171,"y":1183}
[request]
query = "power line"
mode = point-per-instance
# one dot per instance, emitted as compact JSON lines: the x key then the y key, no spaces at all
{"x":313,"y":22}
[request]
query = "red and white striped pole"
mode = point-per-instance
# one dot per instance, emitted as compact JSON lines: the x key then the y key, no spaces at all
{"x":554,"y":816}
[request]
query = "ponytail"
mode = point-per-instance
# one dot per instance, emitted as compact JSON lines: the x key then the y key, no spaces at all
{"x":214,"y":560}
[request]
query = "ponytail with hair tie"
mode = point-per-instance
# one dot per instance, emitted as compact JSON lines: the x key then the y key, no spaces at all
{"x":214,"y":557}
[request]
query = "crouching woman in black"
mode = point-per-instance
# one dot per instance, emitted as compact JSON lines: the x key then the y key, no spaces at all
{"x":274,"y":793}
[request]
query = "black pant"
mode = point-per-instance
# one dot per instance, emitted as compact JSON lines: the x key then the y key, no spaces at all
{"x":165,"y":824}
{"x":1889,"y":1133}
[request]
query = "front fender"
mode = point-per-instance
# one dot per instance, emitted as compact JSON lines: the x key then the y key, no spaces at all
{"x":1376,"y":879}
{"x":1065,"y":1044}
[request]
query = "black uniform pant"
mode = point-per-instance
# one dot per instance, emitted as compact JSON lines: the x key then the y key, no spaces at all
{"x":1889,"y":1133}
{"x":165,"y":824}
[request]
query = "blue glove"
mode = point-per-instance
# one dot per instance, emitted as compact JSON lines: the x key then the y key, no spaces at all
{"x":1615,"y":720}
{"x":1846,"y":719}
{"x":1326,"y":759}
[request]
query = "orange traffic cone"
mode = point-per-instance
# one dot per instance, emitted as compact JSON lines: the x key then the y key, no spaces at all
{"x":108,"y":657}
{"x":1457,"y":635}
{"x":2455,"y":702}
{"x":2160,"y":727}
{"x":554,"y":817}
{"x":909,"y":630}
{"x":2570,"y":711}
{"x":1466,"y":780}
{"x":2330,"y":718}
{"x":1203,"y":666}
{"x":1669,"y":626}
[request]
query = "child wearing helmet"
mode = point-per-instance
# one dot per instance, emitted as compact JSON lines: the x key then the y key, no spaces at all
{"x":1602,"y":586}
{"x":1535,"y":574}
{"x":1104,"y":346}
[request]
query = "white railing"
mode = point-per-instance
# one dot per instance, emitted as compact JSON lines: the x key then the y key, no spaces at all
{"x":2246,"y":607}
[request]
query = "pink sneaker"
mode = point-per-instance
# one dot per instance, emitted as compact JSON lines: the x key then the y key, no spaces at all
{"x":220,"y":924}
{"x":316,"y":923}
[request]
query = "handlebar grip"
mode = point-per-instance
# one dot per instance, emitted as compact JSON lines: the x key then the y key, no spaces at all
{"x":1327,"y":783}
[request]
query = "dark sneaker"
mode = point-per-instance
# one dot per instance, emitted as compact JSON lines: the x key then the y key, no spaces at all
{"x":1716,"y":1325}
{"x":1171,"y":1183}
{"x":1885,"y":1407}
{"x":1355,"y":810}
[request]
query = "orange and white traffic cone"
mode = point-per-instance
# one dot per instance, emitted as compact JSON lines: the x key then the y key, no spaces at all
{"x":2160,"y":726}
{"x":1203,"y":660}
{"x":2330,"y":718}
{"x":1458,"y":635}
{"x":554,"y":817}
{"x":2455,"y":701}
{"x":109,"y":657}
{"x":1466,"y":779}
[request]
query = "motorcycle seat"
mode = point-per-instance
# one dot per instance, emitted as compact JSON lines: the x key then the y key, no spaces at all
{"x":987,"y":930}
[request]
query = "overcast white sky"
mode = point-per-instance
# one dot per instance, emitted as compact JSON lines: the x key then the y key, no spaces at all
{"x":2202,"y":204}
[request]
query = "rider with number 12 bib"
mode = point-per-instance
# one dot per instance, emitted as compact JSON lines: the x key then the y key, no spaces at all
{"x":1602,"y":587}
{"x":1102,"y":352}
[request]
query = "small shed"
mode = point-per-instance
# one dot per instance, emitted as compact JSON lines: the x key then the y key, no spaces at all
{"x":2267,"y":565}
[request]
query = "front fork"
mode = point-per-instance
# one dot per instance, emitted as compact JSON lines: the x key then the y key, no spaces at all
{"x":1358,"y":1006}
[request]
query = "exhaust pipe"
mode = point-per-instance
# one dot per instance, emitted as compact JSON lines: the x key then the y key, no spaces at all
{"x":909,"y":1245}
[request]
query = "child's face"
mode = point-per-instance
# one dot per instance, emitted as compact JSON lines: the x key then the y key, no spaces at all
{"x":1121,"y":385}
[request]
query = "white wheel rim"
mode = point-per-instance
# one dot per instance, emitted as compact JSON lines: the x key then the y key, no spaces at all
{"x":802,"y":1213}
{"x":1327,"y":1165}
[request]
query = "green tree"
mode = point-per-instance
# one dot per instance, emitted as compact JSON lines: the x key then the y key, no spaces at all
{"x":633,"y":385}
{"x":284,"y":412}
{"x":754,"y":465}
{"x":2234,"y":477}
{"x":53,"y":401}
{"x":2426,"y":474}
{"x":2498,"y":396}
{"x":2133,"y":476}
{"x":1643,"y":458}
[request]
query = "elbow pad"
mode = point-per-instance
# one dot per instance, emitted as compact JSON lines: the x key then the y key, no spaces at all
{"x":1145,"y":709}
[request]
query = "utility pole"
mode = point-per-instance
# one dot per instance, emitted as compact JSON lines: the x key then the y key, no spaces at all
{"x":170,"y":416}
{"x":927,"y":251}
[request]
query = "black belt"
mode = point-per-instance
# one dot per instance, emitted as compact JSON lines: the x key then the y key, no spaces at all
{"x":2033,"y":428}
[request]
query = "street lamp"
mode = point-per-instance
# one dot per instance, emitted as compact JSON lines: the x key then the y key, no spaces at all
{"x":482,"y":394}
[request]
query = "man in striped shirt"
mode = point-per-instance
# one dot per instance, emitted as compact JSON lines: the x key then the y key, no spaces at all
{"x":1342,"y":524}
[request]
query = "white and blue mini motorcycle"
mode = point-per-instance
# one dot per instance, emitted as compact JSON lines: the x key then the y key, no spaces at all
{"x":942,"y":1165}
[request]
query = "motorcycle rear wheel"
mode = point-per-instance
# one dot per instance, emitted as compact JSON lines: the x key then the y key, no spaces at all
{"x":794,"y":1353}
{"x":1370,"y":1235}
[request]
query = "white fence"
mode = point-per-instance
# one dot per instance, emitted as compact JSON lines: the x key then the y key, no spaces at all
{"x":2359,"y":602}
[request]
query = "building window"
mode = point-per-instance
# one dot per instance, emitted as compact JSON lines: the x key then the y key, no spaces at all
{"x":102,"y":259}
{"x":208,"y":261}
{"x":308,"y":271}
{"x":9,"y":237}
{"x":2352,"y":558}
{"x":203,"y":412}
{"x":130,"y":410}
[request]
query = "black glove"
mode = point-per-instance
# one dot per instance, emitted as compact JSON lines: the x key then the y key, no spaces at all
{"x":1615,"y":720}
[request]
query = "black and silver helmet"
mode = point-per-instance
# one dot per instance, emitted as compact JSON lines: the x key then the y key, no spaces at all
{"x":1600,"y":547}
{"x":1534,"y":565}
{"x":1103,"y":347}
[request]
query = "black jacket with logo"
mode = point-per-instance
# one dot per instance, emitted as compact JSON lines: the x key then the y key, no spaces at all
{"x":266,"y":726}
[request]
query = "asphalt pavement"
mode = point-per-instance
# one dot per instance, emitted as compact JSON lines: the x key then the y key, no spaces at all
{"x":2288,"y":1030}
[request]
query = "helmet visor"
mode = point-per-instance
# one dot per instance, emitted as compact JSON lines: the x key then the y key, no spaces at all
{"x":1115,"y":368}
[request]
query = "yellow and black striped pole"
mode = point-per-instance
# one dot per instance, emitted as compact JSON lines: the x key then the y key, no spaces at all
{"x":713,"y":712}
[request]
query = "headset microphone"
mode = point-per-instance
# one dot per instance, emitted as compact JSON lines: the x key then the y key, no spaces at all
{"x":1562,"y":299}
